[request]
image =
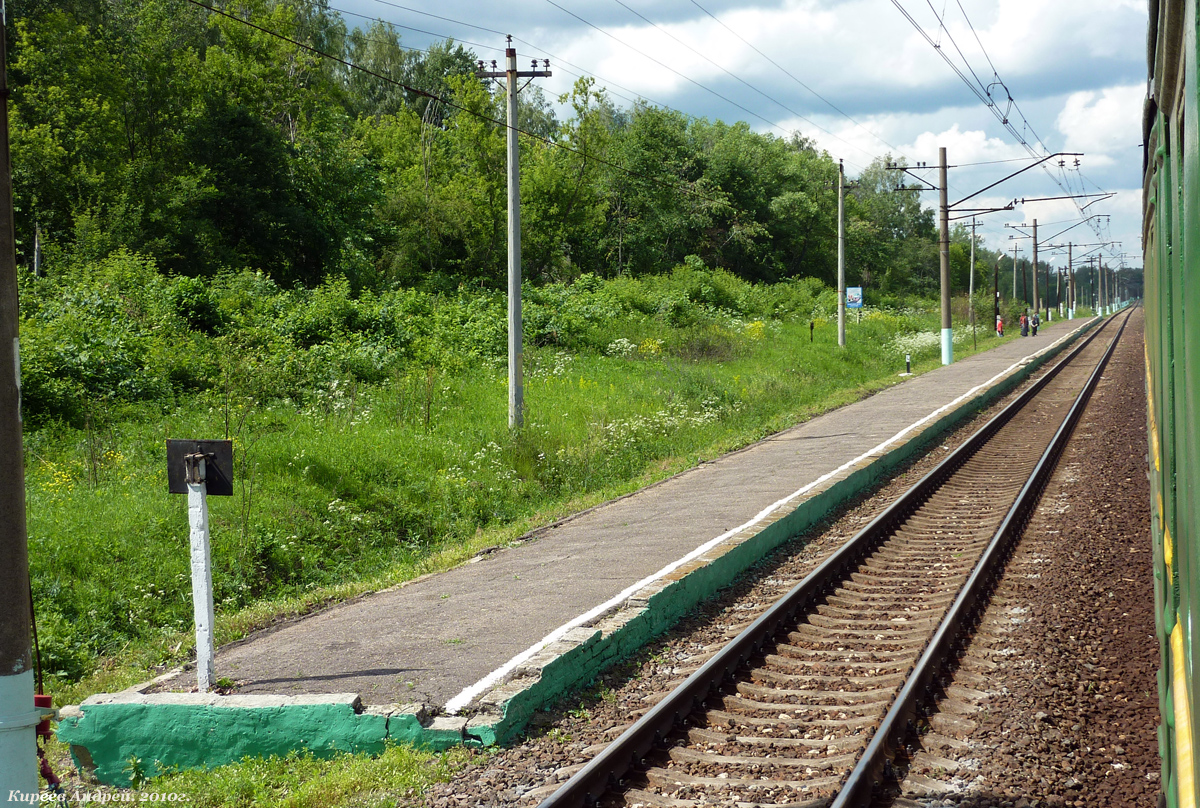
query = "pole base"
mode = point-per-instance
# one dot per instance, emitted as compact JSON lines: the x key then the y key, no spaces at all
{"x":947,"y":346}
{"x":18,"y":739}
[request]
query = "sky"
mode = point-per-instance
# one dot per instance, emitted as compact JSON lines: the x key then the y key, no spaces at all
{"x":865,"y":78}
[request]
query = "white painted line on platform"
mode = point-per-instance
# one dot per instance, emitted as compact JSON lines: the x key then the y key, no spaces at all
{"x":468,"y":694}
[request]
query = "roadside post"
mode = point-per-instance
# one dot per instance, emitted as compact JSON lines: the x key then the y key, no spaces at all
{"x":199,"y":468}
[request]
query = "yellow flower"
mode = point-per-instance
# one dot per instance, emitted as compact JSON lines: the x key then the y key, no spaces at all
{"x":650,"y":347}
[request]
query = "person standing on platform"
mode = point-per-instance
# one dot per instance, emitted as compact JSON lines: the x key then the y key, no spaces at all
{"x":1025,"y":323}
{"x":1034,"y":323}
{"x":999,"y":326}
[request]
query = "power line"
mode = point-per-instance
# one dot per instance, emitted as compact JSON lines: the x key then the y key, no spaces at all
{"x":450,"y":38}
{"x":409,"y":28}
{"x":558,"y":60}
{"x":737,"y":78}
{"x":444,"y":19}
{"x":789,"y":74}
{"x":983,"y":93}
{"x":668,"y":67}
{"x":441,"y":99}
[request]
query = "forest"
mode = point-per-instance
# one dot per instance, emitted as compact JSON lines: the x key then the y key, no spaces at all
{"x":205,"y":144}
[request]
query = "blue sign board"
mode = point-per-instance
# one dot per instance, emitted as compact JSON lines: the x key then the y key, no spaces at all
{"x":854,"y":297}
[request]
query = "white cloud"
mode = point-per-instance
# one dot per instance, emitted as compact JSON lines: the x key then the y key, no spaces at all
{"x":1105,"y":125}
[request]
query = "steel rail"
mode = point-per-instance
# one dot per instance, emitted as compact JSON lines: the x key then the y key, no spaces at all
{"x":605,"y":770}
{"x":897,"y":723}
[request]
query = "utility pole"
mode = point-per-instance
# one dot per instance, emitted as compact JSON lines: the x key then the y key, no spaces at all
{"x":1070,"y":282}
{"x":1061,"y":287}
{"x":996,"y":296}
{"x":1024,"y":290}
{"x":944,"y":255}
{"x":842,"y":255}
{"x":18,"y":718}
{"x":1103,"y":286}
{"x":1036,"y":306}
{"x":971,"y":290}
{"x":516,"y":394}
{"x":1016,"y":250}
{"x":944,"y":246}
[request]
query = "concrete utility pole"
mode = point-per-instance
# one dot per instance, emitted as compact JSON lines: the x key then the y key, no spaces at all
{"x":944,"y":255}
{"x":996,"y":293}
{"x":18,"y":718}
{"x":1024,"y":291}
{"x":971,"y":281}
{"x":1036,"y":306}
{"x":1103,"y":308}
{"x":516,"y":394}
{"x":1070,"y":282}
{"x":842,"y":254}
{"x":1057,"y":291}
{"x":1016,"y":249}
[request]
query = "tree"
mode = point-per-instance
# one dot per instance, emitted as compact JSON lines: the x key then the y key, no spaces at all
{"x":904,"y":256}
{"x":562,"y":192}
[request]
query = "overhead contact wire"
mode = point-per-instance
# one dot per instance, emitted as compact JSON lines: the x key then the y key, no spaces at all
{"x":435,"y":97}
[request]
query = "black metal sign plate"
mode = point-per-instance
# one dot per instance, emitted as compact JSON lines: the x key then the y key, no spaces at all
{"x":218,"y":466}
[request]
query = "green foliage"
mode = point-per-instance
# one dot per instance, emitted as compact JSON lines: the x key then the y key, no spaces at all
{"x":242,"y":238}
{"x":212,"y":146}
{"x":369,"y":427}
{"x":399,"y":776}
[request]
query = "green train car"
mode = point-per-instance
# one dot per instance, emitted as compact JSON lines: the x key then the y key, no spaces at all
{"x":1171,"y":242}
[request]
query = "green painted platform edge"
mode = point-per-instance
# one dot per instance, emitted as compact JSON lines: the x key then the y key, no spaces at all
{"x":108,"y":732}
{"x":166,"y":731}
{"x":579,"y":665}
{"x":106,"y":737}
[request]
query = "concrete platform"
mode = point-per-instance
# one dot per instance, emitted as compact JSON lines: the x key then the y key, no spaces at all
{"x":495,"y":639}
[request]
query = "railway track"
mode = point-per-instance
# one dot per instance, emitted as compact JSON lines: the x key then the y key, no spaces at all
{"x":808,"y":704}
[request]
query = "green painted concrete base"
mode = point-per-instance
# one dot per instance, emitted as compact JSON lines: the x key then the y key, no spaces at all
{"x":165,"y":730}
{"x":111,"y":734}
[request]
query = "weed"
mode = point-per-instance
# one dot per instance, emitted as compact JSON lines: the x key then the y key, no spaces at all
{"x":645,"y":376}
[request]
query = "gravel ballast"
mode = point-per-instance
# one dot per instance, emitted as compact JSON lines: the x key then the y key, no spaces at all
{"x":1055,"y":703}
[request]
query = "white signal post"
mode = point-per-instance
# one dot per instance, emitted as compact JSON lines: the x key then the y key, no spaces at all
{"x":202,"y":590}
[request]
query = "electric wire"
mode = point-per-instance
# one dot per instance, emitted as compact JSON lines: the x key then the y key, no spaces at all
{"x":607,"y":84}
{"x":790,"y":75}
{"x":450,"y":38}
{"x":739,"y":79}
{"x":684,"y":188}
{"x":410,"y":28}
{"x":439,"y":17}
{"x":665,"y":66}
{"x":986,"y":99}
{"x":941,"y":18}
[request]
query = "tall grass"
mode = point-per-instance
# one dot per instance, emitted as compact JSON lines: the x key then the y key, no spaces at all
{"x":372,"y":447}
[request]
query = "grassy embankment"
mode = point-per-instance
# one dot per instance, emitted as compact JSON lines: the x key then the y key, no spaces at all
{"x":366,"y":458}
